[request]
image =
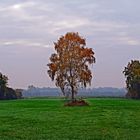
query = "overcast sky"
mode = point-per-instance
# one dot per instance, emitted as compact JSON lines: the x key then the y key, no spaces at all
{"x":28,"y":29}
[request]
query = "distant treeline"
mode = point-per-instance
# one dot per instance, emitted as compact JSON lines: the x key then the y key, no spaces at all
{"x":56,"y":92}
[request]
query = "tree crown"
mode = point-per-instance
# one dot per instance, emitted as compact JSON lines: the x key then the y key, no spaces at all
{"x":132,"y":74}
{"x":3,"y":80}
{"x":69,"y":65}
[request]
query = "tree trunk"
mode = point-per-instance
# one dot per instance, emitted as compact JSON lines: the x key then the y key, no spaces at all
{"x":2,"y":92}
{"x":72,"y":93}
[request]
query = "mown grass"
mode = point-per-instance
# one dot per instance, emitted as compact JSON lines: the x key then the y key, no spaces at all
{"x":48,"y":119}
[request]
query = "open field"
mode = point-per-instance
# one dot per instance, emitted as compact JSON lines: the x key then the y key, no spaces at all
{"x":48,"y":119}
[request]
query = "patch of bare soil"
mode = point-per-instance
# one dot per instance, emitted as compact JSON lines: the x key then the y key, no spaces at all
{"x":76,"y":103}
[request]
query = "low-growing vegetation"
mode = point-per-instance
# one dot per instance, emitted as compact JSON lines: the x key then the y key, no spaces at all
{"x":49,"y":119}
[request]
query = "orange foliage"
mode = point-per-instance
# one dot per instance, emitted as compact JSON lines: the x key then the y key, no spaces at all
{"x":69,"y":66}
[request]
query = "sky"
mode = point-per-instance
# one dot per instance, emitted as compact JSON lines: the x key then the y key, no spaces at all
{"x":28,"y":29}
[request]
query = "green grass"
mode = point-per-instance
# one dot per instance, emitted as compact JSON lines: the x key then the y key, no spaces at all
{"x":48,"y":119}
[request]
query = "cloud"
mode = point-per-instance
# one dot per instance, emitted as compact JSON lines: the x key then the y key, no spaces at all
{"x":17,"y":6}
{"x":33,"y":25}
{"x":128,"y":41}
{"x":38,"y":20}
{"x":69,"y":24}
{"x":24,"y":43}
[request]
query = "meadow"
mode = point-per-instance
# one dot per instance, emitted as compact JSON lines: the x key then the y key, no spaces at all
{"x":49,"y":119}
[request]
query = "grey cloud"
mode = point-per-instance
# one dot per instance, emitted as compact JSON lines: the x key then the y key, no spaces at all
{"x":110,"y":27}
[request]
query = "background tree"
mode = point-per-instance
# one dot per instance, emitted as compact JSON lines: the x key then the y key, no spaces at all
{"x":6,"y":92}
{"x":3,"y":84}
{"x":69,"y":65}
{"x":132,"y":74}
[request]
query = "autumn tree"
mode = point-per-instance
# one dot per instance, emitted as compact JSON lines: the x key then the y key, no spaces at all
{"x":132,"y":74}
{"x":69,"y":66}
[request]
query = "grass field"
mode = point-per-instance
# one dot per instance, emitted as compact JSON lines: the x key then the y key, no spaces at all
{"x":48,"y":119}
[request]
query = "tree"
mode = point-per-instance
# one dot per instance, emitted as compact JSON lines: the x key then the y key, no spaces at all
{"x":6,"y":92}
{"x":69,"y":65}
{"x":3,"y":84}
{"x":132,"y":74}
